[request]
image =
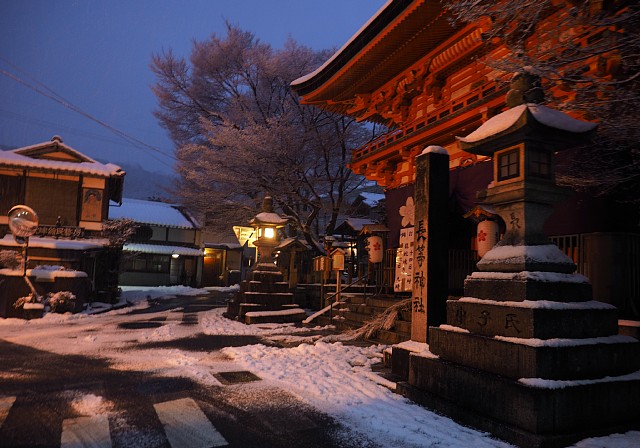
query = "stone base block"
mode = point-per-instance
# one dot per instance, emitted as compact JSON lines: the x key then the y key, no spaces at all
{"x":292,"y":315}
{"x":265,"y":272}
{"x":400,"y":362}
{"x":590,"y":360}
{"x":523,"y":415}
{"x":518,"y":290}
{"x":493,"y":318}
{"x":267,"y":298}
{"x":256,"y":286}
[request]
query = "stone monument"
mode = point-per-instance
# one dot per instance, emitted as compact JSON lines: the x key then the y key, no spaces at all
{"x":527,"y":354}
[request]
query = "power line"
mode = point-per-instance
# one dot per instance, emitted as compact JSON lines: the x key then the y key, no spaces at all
{"x":57,"y":127}
{"x":51,"y":94}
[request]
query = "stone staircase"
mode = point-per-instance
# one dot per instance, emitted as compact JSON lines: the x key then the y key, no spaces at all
{"x":357,"y":308}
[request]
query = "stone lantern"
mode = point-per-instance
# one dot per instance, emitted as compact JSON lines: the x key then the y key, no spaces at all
{"x":522,"y":142}
{"x":267,"y":224}
{"x":264,"y":296}
{"x":527,"y":354}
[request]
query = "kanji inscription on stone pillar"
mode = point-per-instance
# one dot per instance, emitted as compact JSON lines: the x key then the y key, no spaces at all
{"x":430,"y":255}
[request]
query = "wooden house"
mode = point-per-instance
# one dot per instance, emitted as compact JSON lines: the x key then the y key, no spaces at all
{"x":166,"y":247}
{"x":70,"y":193}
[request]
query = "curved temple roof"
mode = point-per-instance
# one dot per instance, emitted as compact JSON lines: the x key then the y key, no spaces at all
{"x":376,"y":53}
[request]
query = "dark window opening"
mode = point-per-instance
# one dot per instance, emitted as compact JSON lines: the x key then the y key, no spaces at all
{"x":540,"y":163}
{"x":509,"y":165}
{"x":149,"y":263}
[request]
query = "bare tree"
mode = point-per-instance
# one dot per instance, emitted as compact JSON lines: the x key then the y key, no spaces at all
{"x":242,"y":133}
{"x":588,"y":53}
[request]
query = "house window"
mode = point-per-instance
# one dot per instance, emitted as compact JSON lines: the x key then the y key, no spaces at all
{"x":160,"y":263}
{"x":181,"y":236}
{"x":149,"y":263}
{"x":540,"y":163}
{"x":509,"y":165}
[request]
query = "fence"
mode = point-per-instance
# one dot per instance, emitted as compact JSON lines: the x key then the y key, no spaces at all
{"x":461,"y":264}
{"x":611,"y":261}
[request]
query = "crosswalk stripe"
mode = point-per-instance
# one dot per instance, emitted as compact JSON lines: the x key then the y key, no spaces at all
{"x":86,"y":432}
{"x":5,"y":406}
{"x":186,"y":425}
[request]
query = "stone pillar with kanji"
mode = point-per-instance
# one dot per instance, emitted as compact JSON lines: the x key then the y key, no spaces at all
{"x":430,"y":255}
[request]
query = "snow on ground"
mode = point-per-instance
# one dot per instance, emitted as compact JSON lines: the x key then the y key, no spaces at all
{"x":333,"y":377}
{"x":337,"y":380}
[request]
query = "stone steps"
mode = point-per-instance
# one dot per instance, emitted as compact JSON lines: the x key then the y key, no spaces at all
{"x":360,"y":309}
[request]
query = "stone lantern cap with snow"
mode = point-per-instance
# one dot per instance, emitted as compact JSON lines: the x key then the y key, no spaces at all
{"x":267,"y":223}
{"x":522,"y":141}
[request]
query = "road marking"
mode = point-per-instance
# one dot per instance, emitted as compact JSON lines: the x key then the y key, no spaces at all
{"x":5,"y":406}
{"x":86,"y":432}
{"x":186,"y":425}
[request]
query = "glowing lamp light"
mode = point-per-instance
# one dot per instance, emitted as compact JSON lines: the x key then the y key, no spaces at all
{"x":174,"y":255}
{"x":269,"y":232}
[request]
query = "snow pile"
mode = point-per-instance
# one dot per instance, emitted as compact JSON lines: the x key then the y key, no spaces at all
{"x":45,"y":272}
{"x":546,"y":253}
{"x":336,"y":379}
{"x":567,"y":342}
{"x":561,"y":384}
{"x":555,"y":277}
{"x":52,"y":243}
{"x":543,"y":304}
{"x":89,"y":404}
{"x":137,"y":293}
{"x":628,"y":440}
{"x":214,"y":323}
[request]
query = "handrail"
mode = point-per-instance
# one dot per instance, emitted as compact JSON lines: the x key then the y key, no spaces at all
{"x":330,"y":306}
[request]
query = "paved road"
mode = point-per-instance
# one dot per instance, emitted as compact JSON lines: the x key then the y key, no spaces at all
{"x":75,"y":400}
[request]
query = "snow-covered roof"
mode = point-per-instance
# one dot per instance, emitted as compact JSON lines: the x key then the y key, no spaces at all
{"x":152,"y":213}
{"x":358,"y":223}
{"x":34,"y":156}
{"x":542,"y":114}
{"x":52,"y":243}
{"x":372,"y":199}
{"x":228,"y":246}
{"x":160,"y":249}
{"x":290,"y":242}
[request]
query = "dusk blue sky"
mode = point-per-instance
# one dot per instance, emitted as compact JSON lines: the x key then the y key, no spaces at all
{"x":95,"y":54}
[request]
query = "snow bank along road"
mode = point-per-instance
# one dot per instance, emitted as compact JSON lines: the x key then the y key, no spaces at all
{"x":178,"y":374}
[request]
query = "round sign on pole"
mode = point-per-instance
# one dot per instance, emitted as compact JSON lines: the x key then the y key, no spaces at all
{"x":23,"y":221}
